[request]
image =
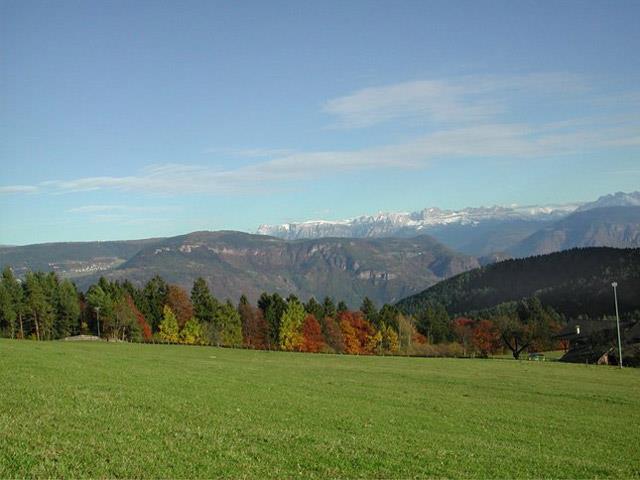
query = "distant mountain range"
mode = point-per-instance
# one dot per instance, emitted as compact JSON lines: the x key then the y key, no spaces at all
{"x":386,"y":257}
{"x":233,"y":263}
{"x":474,"y":231}
{"x":610,"y":226}
{"x":574,"y":282}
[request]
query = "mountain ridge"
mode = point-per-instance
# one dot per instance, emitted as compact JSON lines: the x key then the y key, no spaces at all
{"x":233,"y":263}
{"x":574,"y":282}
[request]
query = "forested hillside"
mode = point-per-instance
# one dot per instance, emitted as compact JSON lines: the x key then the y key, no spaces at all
{"x":574,"y":282}
{"x":233,"y":263}
{"x":71,"y":259}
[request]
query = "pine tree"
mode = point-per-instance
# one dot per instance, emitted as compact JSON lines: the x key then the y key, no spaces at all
{"x":273,"y":307}
{"x":8,"y":315}
{"x":68,"y":309}
{"x":38,"y":307}
{"x":328,"y":308}
{"x":342,"y":307}
{"x":15,"y":294}
{"x":229,"y":325}
{"x":203,"y":303}
{"x":154,"y":298}
{"x":368,"y":309}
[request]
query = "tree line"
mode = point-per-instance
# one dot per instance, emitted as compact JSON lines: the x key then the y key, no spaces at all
{"x":44,"y":307}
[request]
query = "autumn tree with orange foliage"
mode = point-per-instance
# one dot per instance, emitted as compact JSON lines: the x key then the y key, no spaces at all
{"x":312,"y":338}
{"x":486,"y":338}
{"x":463,"y":329}
{"x":333,"y":334}
{"x":254,"y":327}
{"x":180,"y":304}
{"x":357,"y":333}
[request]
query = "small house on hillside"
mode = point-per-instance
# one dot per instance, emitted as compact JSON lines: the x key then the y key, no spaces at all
{"x":596,"y":342}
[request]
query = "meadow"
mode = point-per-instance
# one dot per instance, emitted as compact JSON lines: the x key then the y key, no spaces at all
{"x":71,"y":409}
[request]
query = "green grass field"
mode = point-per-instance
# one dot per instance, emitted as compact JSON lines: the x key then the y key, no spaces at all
{"x":128,"y":410}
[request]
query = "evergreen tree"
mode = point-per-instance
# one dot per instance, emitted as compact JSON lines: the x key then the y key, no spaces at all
{"x":228,"y":325}
{"x":203,"y":303}
{"x":314,"y":308}
{"x":8,"y":315}
{"x":388,"y":315}
{"x":101,"y":304}
{"x":433,"y":322}
{"x":273,"y":307}
{"x":328,"y":308}
{"x":369,"y":310}
{"x":154,"y":298}
{"x":15,"y":293}
{"x":40,"y":311}
{"x":342,"y":307}
{"x":68,"y":309}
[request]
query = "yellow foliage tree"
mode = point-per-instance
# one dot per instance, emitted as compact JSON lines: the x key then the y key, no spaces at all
{"x":169,"y":330}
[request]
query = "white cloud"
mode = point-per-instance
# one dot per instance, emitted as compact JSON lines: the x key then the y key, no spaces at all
{"x":468,"y":112}
{"x":250,"y":152}
{"x":513,"y":141}
{"x":463,"y":100}
{"x":119,"y":209}
{"x":9,"y":189}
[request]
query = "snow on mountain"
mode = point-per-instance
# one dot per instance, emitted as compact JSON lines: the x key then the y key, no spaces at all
{"x":619,"y":199}
{"x":405,"y":223}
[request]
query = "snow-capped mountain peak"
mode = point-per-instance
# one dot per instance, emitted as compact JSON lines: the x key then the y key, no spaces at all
{"x":618,"y":199}
{"x":405,"y":223}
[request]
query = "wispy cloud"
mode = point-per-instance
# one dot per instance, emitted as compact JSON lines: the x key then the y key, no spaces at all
{"x":250,"y":152}
{"x":513,"y":141}
{"x":123,"y":209}
{"x":468,"y":122}
{"x":467,"y":99}
{"x":9,"y":189}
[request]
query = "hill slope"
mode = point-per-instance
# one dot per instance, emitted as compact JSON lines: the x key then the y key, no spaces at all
{"x":234,"y":263}
{"x":385,"y":269}
{"x":71,"y":259}
{"x":574,"y":282}
{"x":609,"y":226}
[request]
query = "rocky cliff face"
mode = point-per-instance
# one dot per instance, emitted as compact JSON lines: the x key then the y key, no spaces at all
{"x":233,"y":263}
{"x":480,"y":231}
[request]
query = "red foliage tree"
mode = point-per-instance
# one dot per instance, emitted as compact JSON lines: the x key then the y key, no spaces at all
{"x":356,"y":331}
{"x":312,"y":339}
{"x":418,"y":338}
{"x":145,"y":328}
{"x":463,"y":329}
{"x":333,"y":334}
{"x":180,"y":304}
{"x":486,"y":337}
{"x":254,"y":326}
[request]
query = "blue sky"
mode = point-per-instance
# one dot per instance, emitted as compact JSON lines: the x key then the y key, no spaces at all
{"x":124,"y":119}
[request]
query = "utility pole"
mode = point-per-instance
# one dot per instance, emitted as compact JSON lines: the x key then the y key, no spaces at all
{"x":615,"y":298}
{"x":98,"y":319}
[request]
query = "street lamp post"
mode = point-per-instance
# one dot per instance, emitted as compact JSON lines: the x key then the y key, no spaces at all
{"x":615,"y":298}
{"x":98,"y":319}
